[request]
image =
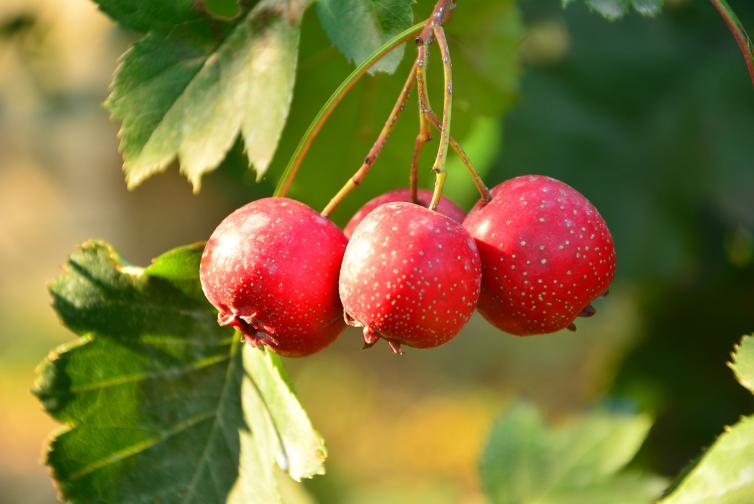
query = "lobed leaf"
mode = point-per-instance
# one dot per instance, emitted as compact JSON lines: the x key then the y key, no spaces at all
{"x":525,"y":460}
{"x":187,"y":92}
{"x":159,"y":403}
{"x":358,"y":27}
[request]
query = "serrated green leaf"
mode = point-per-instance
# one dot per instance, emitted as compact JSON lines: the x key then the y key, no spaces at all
{"x":616,"y":9}
{"x":527,"y":461}
{"x":724,"y":474}
{"x":153,"y":15}
{"x":743,"y":362}
{"x":187,"y":93}
{"x":358,"y":27}
{"x":159,"y":403}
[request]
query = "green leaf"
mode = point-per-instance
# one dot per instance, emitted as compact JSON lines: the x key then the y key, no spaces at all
{"x":616,"y":9}
{"x":153,"y":15}
{"x":358,"y":27}
{"x":188,"y":92}
{"x":724,"y":474}
{"x":743,"y":362}
{"x":160,"y":403}
{"x":525,"y":460}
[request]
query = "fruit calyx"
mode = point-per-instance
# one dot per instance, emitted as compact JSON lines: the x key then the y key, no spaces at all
{"x":371,"y":337}
{"x":255,"y":332}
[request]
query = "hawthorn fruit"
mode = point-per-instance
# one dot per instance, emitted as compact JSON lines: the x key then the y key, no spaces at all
{"x":409,"y":275}
{"x":271,"y":269}
{"x":546,"y":255}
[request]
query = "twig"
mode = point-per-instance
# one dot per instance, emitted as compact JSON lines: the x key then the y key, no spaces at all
{"x":739,"y":33}
{"x":484,"y":191}
{"x":286,"y":180}
{"x":374,"y":152}
{"x":442,"y":150}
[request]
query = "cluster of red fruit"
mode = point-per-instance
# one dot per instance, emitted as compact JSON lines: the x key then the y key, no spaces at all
{"x":531,"y":260}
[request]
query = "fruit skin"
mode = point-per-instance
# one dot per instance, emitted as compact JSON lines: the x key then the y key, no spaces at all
{"x":446,"y":206}
{"x":546,"y":254}
{"x":409,"y":275}
{"x":271,"y":269}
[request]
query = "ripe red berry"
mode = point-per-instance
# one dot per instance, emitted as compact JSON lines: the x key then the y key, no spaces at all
{"x":546,"y":254}
{"x":410,"y":276}
{"x":446,"y":206}
{"x":271,"y":269}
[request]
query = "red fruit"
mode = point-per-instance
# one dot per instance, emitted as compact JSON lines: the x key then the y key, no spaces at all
{"x":409,"y":275}
{"x":546,"y":254}
{"x":271,"y":269}
{"x":446,"y":206}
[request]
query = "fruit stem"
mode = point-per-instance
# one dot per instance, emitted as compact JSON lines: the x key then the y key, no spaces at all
{"x":413,"y":179}
{"x":442,"y":151}
{"x":379,"y":143}
{"x":739,"y":33}
{"x":425,"y":134}
{"x":286,"y":180}
{"x":484,"y":191}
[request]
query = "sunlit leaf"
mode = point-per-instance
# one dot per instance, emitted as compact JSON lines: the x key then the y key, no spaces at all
{"x":724,"y":474}
{"x":526,"y":460}
{"x":159,"y":403}
{"x":743,"y":362}
{"x":187,"y":92}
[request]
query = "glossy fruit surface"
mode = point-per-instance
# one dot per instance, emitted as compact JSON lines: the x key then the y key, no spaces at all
{"x":446,"y":206}
{"x":546,"y":255}
{"x":409,"y":275}
{"x":271,"y":269}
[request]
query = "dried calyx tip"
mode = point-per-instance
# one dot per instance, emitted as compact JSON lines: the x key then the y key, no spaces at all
{"x":588,"y":311}
{"x":249,"y":328}
{"x":395,"y":347}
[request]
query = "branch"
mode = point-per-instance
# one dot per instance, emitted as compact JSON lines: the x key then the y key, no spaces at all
{"x":739,"y":33}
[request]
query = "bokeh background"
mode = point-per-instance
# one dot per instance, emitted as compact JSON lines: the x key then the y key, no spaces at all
{"x":653,"y":120}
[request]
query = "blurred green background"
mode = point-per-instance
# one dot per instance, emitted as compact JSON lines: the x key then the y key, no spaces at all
{"x":653,"y":120}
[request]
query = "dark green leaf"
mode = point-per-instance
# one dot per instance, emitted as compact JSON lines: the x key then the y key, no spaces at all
{"x":187,"y":93}
{"x":616,"y":9}
{"x":159,"y":402}
{"x":359,"y":27}
{"x":525,"y":460}
{"x":151,"y":15}
{"x":725,"y":473}
{"x":223,"y":8}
